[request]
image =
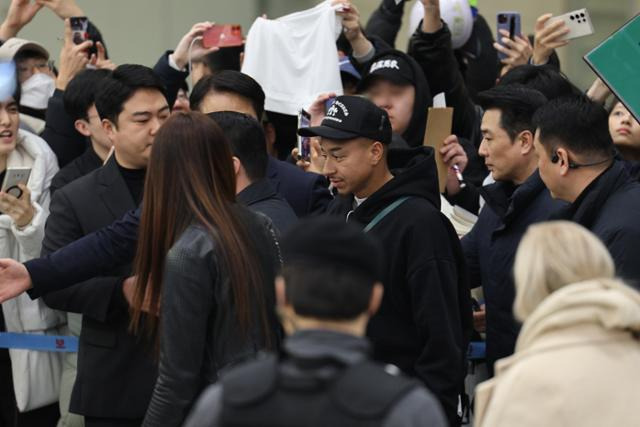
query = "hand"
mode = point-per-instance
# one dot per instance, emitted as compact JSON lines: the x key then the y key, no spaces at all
{"x":14,"y":279}
{"x":453,"y":154}
{"x":317,"y":109}
{"x":599,"y":92}
{"x":20,"y":210}
{"x":518,"y":50}
{"x":100,"y":60}
{"x":20,"y":13}
{"x":480,"y":319}
{"x":352,"y":28}
{"x":181,"y":54}
{"x":547,"y":38}
{"x":63,"y":8}
{"x":431,"y":21}
{"x":73,"y":57}
{"x":129,"y":288}
{"x":315,"y":163}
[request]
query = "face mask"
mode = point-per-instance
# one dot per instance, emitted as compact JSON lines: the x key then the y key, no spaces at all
{"x":37,"y":90}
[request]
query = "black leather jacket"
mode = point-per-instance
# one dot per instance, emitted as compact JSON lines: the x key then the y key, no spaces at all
{"x":199,"y":334}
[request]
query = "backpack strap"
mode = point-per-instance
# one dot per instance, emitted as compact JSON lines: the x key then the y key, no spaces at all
{"x":386,"y":211}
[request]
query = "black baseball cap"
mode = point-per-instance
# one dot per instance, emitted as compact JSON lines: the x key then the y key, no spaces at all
{"x":351,"y":117}
{"x":392,"y":67}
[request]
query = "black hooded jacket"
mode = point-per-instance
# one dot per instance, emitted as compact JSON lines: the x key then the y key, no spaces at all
{"x":414,"y":135}
{"x":424,"y":322}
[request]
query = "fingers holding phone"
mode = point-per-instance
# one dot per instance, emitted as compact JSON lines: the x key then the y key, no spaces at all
{"x":20,"y":208}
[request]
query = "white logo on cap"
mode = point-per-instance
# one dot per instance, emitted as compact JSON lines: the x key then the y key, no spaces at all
{"x":334,"y":109}
{"x":384,"y":63}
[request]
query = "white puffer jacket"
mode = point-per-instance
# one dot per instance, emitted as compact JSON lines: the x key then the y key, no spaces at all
{"x":23,"y":314}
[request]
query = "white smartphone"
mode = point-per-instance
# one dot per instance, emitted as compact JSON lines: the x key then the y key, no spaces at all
{"x":578,"y":22}
{"x":12,"y":178}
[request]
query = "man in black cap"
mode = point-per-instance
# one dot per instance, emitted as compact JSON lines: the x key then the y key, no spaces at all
{"x":328,"y":289}
{"x":424,"y":322}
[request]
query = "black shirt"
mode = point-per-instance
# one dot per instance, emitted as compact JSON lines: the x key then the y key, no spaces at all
{"x":134,"y":178}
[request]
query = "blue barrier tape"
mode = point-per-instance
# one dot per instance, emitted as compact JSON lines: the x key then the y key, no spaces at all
{"x":477,"y":350}
{"x":65,"y":344}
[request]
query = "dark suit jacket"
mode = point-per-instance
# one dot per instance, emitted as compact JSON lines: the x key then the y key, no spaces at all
{"x":116,"y":372}
{"x":261,"y":197}
{"x":307,"y":193}
{"x":87,"y":162}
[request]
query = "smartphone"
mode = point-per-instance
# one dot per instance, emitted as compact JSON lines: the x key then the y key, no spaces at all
{"x":304,"y":142}
{"x":12,"y":178}
{"x":329,"y":103}
{"x":79,"y":29}
{"x":509,"y":21}
{"x":578,"y":22}
{"x":227,"y":35}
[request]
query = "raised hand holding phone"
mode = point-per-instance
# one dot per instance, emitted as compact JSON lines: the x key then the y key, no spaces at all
{"x":73,"y":57}
{"x":547,"y":38}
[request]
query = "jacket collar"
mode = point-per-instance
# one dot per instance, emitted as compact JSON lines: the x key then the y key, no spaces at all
{"x":324,"y":345}
{"x":256,"y":192}
{"x":585,"y":209}
{"x":507,"y":200}
{"x":113,"y":189}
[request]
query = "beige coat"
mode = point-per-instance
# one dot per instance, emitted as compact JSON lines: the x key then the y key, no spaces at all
{"x":577,"y":363}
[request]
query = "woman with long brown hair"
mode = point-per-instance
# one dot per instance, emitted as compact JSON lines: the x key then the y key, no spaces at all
{"x":204,"y":263}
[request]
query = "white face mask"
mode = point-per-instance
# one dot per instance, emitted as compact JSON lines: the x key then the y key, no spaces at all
{"x":37,"y":90}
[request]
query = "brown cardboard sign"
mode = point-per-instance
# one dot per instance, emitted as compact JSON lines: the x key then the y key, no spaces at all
{"x":439,"y":122}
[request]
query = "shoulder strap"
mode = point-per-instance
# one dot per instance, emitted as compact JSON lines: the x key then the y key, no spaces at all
{"x":383,"y":213}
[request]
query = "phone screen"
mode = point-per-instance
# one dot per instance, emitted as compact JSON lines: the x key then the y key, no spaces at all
{"x":79,"y":29}
{"x":304,"y":142}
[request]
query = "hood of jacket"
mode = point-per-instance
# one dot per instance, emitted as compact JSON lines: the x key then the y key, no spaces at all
{"x":414,"y":135}
{"x":415,"y":175}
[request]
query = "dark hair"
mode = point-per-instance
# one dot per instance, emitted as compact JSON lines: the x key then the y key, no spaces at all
{"x":120,"y":85}
{"x":577,"y":123}
{"x":28,"y":53}
{"x":190,"y":179}
{"x":286,"y":128}
{"x":226,"y":58}
{"x":517,"y":104}
{"x":543,"y":78}
{"x":233,"y":82}
{"x":80,"y":93}
{"x":246,"y":137}
{"x":326,"y":291}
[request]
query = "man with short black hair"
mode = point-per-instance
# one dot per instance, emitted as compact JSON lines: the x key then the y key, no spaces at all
{"x":306,"y":192}
{"x":116,"y":372}
{"x":424,"y":322}
{"x":79,"y":103}
{"x":246,"y":138}
{"x":328,"y":289}
{"x":576,"y":162}
{"x":517,"y":200}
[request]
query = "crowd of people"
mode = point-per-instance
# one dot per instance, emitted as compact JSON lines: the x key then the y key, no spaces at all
{"x":213,"y":276}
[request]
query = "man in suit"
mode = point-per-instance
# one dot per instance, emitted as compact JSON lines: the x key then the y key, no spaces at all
{"x":306,"y":192}
{"x":116,"y":371}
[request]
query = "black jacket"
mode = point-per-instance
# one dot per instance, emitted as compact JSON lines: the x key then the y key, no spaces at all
{"x":306,"y":356}
{"x":424,"y":323}
{"x":490,"y":249}
{"x":116,"y":371}
{"x":200,"y":335}
{"x":610,"y":208}
{"x":306,"y":192}
{"x":261,"y":197}
{"x":87,"y":162}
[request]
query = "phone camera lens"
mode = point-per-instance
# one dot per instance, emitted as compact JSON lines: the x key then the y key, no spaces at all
{"x":582,"y":15}
{"x":502,"y":19}
{"x":572,"y":17}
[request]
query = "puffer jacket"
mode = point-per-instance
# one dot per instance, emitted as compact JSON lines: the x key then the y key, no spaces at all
{"x":575,"y":363}
{"x":200,"y":335}
{"x":23,"y":314}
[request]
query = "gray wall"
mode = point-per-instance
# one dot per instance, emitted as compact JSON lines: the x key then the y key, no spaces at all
{"x":140,"y":30}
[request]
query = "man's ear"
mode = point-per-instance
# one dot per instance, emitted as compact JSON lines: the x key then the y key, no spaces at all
{"x":82,"y":126}
{"x":563,"y":160}
{"x":375,"y":299}
{"x":109,"y":128}
{"x":236,"y":165}
{"x":377,"y":152}
{"x":525,"y":139}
